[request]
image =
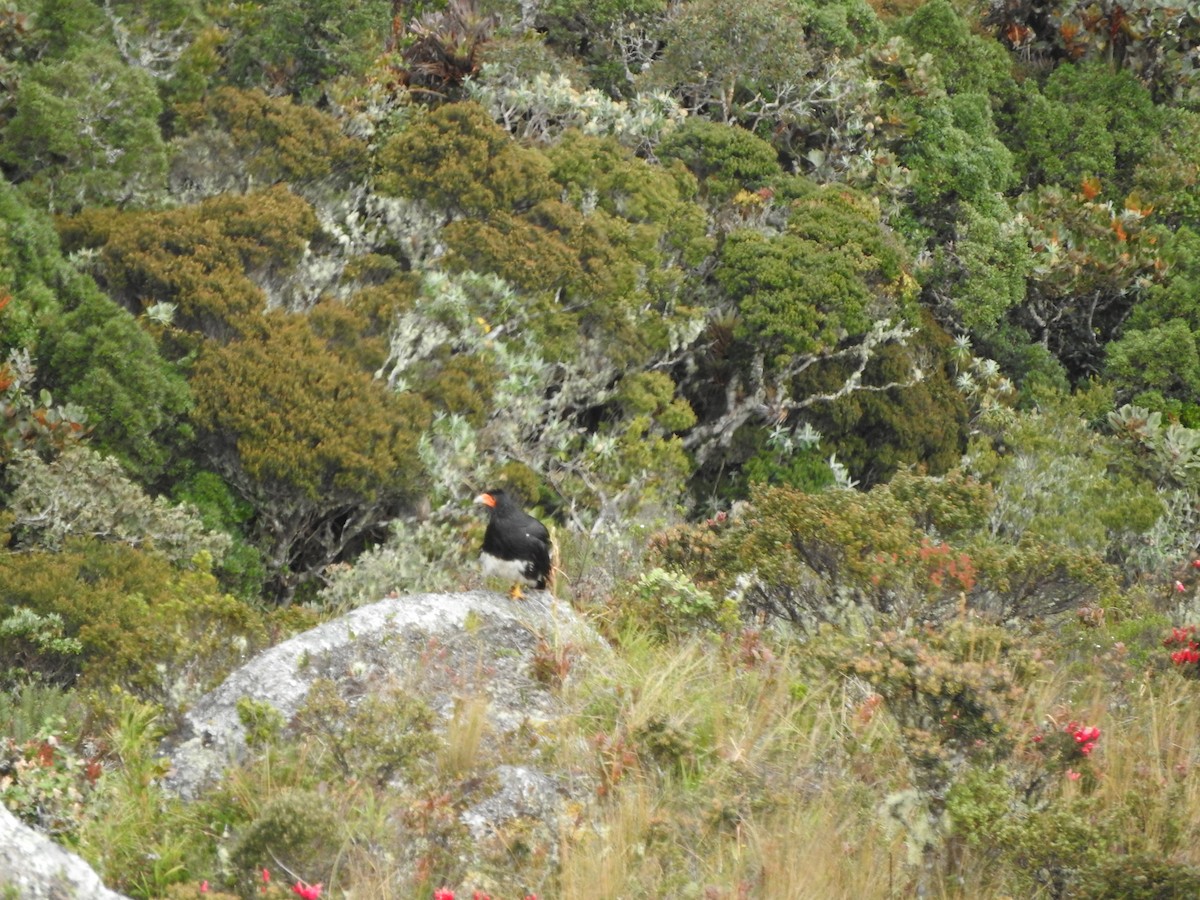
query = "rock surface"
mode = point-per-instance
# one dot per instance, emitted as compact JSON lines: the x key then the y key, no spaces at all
{"x":443,"y":646}
{"x":33,"y":867}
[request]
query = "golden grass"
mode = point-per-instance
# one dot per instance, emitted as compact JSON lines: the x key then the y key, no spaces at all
{"x":782,"y":794}
{"x":464,"y":735}
{"x":726,"y":773}
{"x":771,"y":798}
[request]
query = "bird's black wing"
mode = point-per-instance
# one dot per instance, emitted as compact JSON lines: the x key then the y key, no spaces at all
{"x":539,"y":553}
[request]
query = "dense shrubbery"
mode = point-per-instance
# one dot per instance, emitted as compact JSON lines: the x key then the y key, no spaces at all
{"x":142,"y":624}
{"x":870,"y":328}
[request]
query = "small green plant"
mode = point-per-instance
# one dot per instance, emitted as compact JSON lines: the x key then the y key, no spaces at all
{"x":263,"y":722}
{"x":297,"y":830}
{"x":671,"y":603}
{"x":35,"y":648}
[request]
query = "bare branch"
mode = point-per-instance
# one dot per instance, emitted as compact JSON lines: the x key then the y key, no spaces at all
{"x":767,"y":400}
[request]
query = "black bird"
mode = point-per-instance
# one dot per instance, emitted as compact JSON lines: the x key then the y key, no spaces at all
{"x":516,"y":546}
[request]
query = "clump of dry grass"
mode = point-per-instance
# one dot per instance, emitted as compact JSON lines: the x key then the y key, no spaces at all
{"x":465,"y":732}
{"x":759,"y":774}
{"x":742,"y":771}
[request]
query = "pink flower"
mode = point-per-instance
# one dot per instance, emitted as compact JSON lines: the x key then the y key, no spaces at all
{"x":1196,"y":563}
{"x":1087,"y":735}
{"x":204,"y":887}
{"x":266,"y":876}
{"x":307,"y":891}
{"x":1179,"y":587}
{"x":1072,"y":774}
{"x":443,"y":894}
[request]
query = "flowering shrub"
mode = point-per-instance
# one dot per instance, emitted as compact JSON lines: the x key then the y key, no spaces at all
{"x":266,"y":890}
{"x":1068,"y":748}
{"x":1185,"y":649}
{"x":45,"y":783}
{"x":1085,"y":736}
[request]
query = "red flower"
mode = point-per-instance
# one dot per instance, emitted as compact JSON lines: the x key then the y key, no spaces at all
{"x":307,"y":891}
{"x":1072,"y":774}
{"x":443,"y":894}
{"x":1087,"y":735}
{"x":1190,"y":655}
{"x":266,"y":876}
{"x":1179,"y":587}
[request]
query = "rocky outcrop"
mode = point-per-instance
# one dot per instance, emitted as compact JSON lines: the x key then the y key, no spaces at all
{"x":441,"y":646}
{"x":33,"y":867}
{"x":476,"y":661}
{"x":457,"y":656}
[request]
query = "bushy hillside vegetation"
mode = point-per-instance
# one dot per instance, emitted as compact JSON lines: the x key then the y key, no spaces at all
{"x":851,"y":347}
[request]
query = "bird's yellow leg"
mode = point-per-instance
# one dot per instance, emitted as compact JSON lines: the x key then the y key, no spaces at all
{"x":515,"y":593}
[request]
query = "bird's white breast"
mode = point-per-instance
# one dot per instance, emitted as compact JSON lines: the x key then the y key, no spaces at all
{"x":510,"y":569}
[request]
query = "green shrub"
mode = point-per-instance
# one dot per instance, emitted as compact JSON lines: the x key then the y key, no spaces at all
{"x":382,"y":737}
{"x":35,"y":648}
{"x":296,"y":830}
{"x":950,"y":689}
{"x":297,"y":47}
{"x":97,"y":356}
{"x":1089,"y":121}
{"x":241,"y":569}
{"x":724,"y":158}
{"x":969,"y":61}
{"x":670,"y":604}
{"x":1141,"y":876}
{"x":84,"y":131}
{"x":83,"y":494}
{"x":143,"y":624}
{"x":458,"y":160}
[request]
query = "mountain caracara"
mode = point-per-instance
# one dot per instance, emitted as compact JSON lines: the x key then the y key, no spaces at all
{"x":516,"y":546}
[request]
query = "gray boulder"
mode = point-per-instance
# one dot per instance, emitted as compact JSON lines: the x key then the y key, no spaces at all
{"x":486,"y":667}
{"x":33,"y":867}
{"x":443,"y":647}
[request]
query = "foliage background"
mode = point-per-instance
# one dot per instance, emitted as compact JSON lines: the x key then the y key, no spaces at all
{"x":851,"y":348}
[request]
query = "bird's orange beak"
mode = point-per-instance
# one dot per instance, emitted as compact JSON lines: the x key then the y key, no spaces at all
{"x":486,"y":500}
